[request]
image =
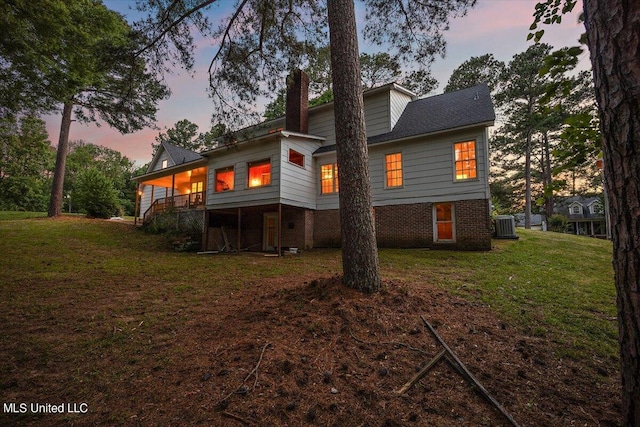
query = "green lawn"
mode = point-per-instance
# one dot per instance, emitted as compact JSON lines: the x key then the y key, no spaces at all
{"x":557,"y":286}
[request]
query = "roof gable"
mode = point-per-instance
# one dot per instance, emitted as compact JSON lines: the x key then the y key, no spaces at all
{"x":462,"y":108}
{"x":447,"y":111}
{"x":180,"y":155}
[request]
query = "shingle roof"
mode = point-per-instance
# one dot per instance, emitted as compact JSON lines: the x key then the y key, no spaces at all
{"x":438,"y":113}
{"x":180,"y":155}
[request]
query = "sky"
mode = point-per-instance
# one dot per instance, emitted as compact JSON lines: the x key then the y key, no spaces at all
{"x":499,"y":27}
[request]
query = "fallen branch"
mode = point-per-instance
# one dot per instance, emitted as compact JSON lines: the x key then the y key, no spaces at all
{"x":238,"y":418}
{"x":470,"y":376}
{"x":254,"y":371}
{"x":421,"y":373}
{"x":400,"y":344}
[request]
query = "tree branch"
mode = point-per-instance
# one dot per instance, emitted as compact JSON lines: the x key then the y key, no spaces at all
{"x":226,"y":34}
{"x":175,"y":23}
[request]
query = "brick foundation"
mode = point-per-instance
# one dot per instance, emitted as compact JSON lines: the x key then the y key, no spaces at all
{"x":411,"y":226}
{"x":397,"y":226}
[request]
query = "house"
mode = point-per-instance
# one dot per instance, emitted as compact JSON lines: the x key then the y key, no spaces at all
{"x":538,"y":221}
{"x":585,"y":215}
{"x":276,"y":184}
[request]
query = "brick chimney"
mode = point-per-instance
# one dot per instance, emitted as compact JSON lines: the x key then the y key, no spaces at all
{"x":297,"y":109}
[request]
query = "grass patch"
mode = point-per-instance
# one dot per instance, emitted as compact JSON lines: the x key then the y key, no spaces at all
{"x":100,"y":311}
{"x":13,"y":215}
{"x":558,"y":286}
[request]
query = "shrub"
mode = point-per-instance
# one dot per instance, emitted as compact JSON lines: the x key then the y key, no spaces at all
{"x":95,"y":194}
{"x":558,"y":223}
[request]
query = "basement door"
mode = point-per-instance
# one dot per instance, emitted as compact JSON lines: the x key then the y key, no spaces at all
{"x":270,"y":236}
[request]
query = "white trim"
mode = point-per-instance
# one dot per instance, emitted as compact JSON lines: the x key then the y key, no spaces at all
{"x":475,"y":158}
{"x":435,"y":223}
{"x":384,"y":169}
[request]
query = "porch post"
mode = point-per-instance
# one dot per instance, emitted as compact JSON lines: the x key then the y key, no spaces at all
{"x":135,"y":210}
{"x":173,"y":188}
{"x":238,"y":240}
{"x":279,"y":229}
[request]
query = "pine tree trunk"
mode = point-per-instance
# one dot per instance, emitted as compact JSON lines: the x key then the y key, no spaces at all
{"x":527,"y":184}
{"x":614,"y":43}
{"x":548,"y":177}
{"x":359,"y":250}
{"x":55,"y":202}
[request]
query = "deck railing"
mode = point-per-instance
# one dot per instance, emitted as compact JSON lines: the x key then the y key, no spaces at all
{"x":181,"y":201}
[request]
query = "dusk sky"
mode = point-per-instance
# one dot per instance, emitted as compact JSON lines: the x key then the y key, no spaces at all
{"x":499,"y":27}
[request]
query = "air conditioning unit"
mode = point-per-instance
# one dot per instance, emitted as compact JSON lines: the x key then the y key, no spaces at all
{"x":505,"y":227}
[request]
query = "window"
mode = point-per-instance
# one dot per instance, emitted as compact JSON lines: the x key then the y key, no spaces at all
{"x":195,"y":197}
{"x":165,"y":163}
{"x":196,"y":187}
{"x":329,"y":178}
{"x":296,"y":158}
{"x":259,"y":173}
{"x":596,"y":208}
{"x":465,"y":163}
{"x":224,"y":179}
{"x":444,"y":227}
{"x":576,"y":210}
{"x":393,"y":170}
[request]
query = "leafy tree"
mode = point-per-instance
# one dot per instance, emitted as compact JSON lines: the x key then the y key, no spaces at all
{"x":185,"y":134}
{"x":378,"y":69}
{"x":537,"y":101}
{"x":95,"y":194}
{"x":26,"y":161}
{"x":478,"y":69}
{"x":419,"y":82}
{"x":276,"y":108}
{"x":118,"y":169}
{"x":83,"y":52}
{"x":611,"y":34}
{"x":521,"y":96}
{"x":261,"y":39}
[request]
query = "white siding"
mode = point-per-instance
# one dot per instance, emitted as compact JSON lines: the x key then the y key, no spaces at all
{"x":330,"y":200}
{"x":238,"y":157}
{"x":428,"y":171}
{"x":297,"y":184}
{"x":145,"y":199}
{"x":162,"y":156}
{"x":321,"y":123}
{"x":398,"y":102}
{"x":376,"y":113}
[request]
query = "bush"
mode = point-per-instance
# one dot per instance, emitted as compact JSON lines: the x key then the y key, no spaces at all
{"x":95,"y":194}
{"x":558,"y":223}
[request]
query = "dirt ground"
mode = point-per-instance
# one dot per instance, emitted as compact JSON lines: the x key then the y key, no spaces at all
{"x":315,"y":353}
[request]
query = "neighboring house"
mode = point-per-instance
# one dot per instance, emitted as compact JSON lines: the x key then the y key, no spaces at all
{"x":538,"y":221}
{"x":585,"y":215}
{"x":276,"y":184}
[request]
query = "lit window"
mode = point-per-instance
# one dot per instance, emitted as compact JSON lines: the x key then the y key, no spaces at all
{"x":224,"y":179}
{"x":465,"y":163}
{"x":296,"y":158}
{"x":444,"y":230}
{"x":393,"y":168}
{"x":329,"y":178}
{"x":196,"y":187}
{"x":259,"y":173}
{"x":165,"y":163}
